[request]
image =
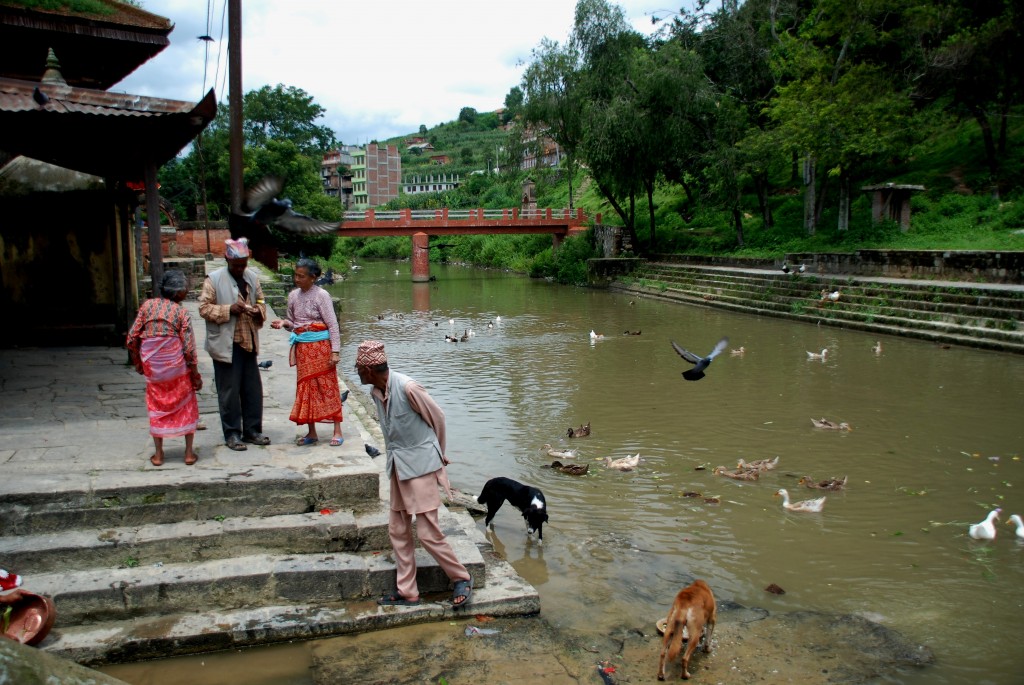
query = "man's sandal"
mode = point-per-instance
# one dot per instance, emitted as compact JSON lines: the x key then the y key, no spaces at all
{"x":464,"y":589}
{"x":393,"y":599}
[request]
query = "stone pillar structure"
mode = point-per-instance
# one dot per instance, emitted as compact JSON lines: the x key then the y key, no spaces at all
{"x":420,"y":258}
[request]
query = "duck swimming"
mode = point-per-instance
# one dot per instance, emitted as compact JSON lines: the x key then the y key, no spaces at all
{"x":737,"y":475}
{"x":757,"y":464}
{"x":1014,"y":520}
{"x":986,"y":530}
{"x":818,"y":355}
{"x":581,"y":432}
{"x":831,"y":425}
{"x":833,"y":484}
{"x":623,"y":464}
{"x":560,"y":454}
{"x":811,"y":506}
{"x":571,"y":469}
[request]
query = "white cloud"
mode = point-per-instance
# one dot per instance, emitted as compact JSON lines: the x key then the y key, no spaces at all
{"x":378,"y":68}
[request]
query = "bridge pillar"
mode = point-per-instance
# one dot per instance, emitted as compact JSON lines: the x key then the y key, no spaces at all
{"x":420,"y":258}
{"x":556,"y":241}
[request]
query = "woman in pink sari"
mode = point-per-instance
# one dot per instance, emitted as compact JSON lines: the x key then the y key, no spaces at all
{"x":163,"y":348}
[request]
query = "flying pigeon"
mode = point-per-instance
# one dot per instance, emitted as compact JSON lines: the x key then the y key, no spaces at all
{"x":266,"y":365}
{"x":371,"y":450}
{"x":262,"y":208}
{"x":701,"y":363}
{"x":344,"y":396}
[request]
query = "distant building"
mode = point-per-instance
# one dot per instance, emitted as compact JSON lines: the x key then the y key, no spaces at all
{"x":540,"y":151}
{"x":414,"y":185}
{"x":335,"y":184}
{"x":440,"y":159}
{"x":376,"y":175}
{"x":420,"y":147}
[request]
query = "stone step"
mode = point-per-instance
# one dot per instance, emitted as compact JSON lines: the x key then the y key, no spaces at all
{"x":195,"y":541}
{"x":114,"y":499}
{"x":202,"y":629}
{"x":980,"y":317}
{"x":937,"y":335}
{"x":969,"y":294}
{"x":117,"y":594}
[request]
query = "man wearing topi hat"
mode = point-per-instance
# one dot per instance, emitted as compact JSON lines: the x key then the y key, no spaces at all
{"x":232,"y":304}
{"x":414,"y":437}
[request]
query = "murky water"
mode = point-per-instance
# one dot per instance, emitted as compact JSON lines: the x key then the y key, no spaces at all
{"x":936,"y":442}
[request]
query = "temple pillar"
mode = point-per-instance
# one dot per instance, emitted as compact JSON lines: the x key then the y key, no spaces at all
{"x":420,"y":257}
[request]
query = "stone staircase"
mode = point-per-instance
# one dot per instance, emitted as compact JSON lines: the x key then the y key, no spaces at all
{"x":141,"y":569}
{"x":244,"y":548}
{"x":989,"y":316}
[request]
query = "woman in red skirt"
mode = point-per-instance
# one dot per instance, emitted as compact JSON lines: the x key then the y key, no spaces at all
{"x":162,"y":347}
{"x":315,"y":352}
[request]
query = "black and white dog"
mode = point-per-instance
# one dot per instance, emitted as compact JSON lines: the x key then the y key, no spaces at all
{"x":527,"y":499}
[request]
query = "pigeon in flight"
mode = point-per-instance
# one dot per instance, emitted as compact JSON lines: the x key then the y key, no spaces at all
{"x":700,"y":363}
{"x":371,"y":450}
{"x":263,"y":208}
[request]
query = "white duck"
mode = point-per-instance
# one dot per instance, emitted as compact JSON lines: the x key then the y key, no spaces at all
{"x":560,"y":454}
{"x":808,"y":505}
{"x":1015,"y":521}
{"x":986,"y":530}
{"x":877,"y":349}
{"x":818,"y":355}
{"x":739,"y":352}
{"x":596,"y":336}
{"x":623,"y":464}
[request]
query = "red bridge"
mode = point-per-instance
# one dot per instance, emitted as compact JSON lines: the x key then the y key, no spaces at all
{"x":421,"y":224}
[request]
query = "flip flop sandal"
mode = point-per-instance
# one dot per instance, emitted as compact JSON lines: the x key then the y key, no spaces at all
{"x":335,"y":442}
{"x":303,"y":441}
{"x":463,"y":588}
{"x":393,"y":599}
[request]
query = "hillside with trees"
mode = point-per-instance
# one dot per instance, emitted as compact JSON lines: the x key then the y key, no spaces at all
{"x":746,"y":128}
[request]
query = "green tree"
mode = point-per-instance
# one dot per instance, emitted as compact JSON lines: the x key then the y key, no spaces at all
{"x":468,"y":115}
{"x":286,"y":112}
{"x":553,"y":106}
{"x":513,"y":104}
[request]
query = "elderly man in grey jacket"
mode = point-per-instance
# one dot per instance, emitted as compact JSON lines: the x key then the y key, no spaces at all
{"x":414,"y":435}
{"x":232,"y":305}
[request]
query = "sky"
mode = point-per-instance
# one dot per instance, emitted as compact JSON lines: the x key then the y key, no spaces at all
{"x":380,"y":68}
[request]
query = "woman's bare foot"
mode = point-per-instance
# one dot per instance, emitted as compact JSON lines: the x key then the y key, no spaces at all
{"x":191,"y":458}
{"x":157,"y":460}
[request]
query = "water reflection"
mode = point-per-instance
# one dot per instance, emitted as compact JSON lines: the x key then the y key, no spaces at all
{"x":892,"y":546}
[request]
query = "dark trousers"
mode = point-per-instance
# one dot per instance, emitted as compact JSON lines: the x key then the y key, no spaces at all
{"x":239,"y":393}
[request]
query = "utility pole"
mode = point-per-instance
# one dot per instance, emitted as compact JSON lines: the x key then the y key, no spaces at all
{"x":235,"y":101}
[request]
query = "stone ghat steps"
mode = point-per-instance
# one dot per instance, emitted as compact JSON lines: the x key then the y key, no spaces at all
{"x":200,"y":628}
{"x":965,"y":294}
{"x":117,"y":499}
{"x":981,"y":308}
{"x":197,"y":541}
{"x":868,"y":305}
{"x":870,"y":313}
{"x":121,"y":594}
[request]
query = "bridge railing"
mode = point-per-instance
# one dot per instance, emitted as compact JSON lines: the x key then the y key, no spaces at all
{"x":512,"y":214}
